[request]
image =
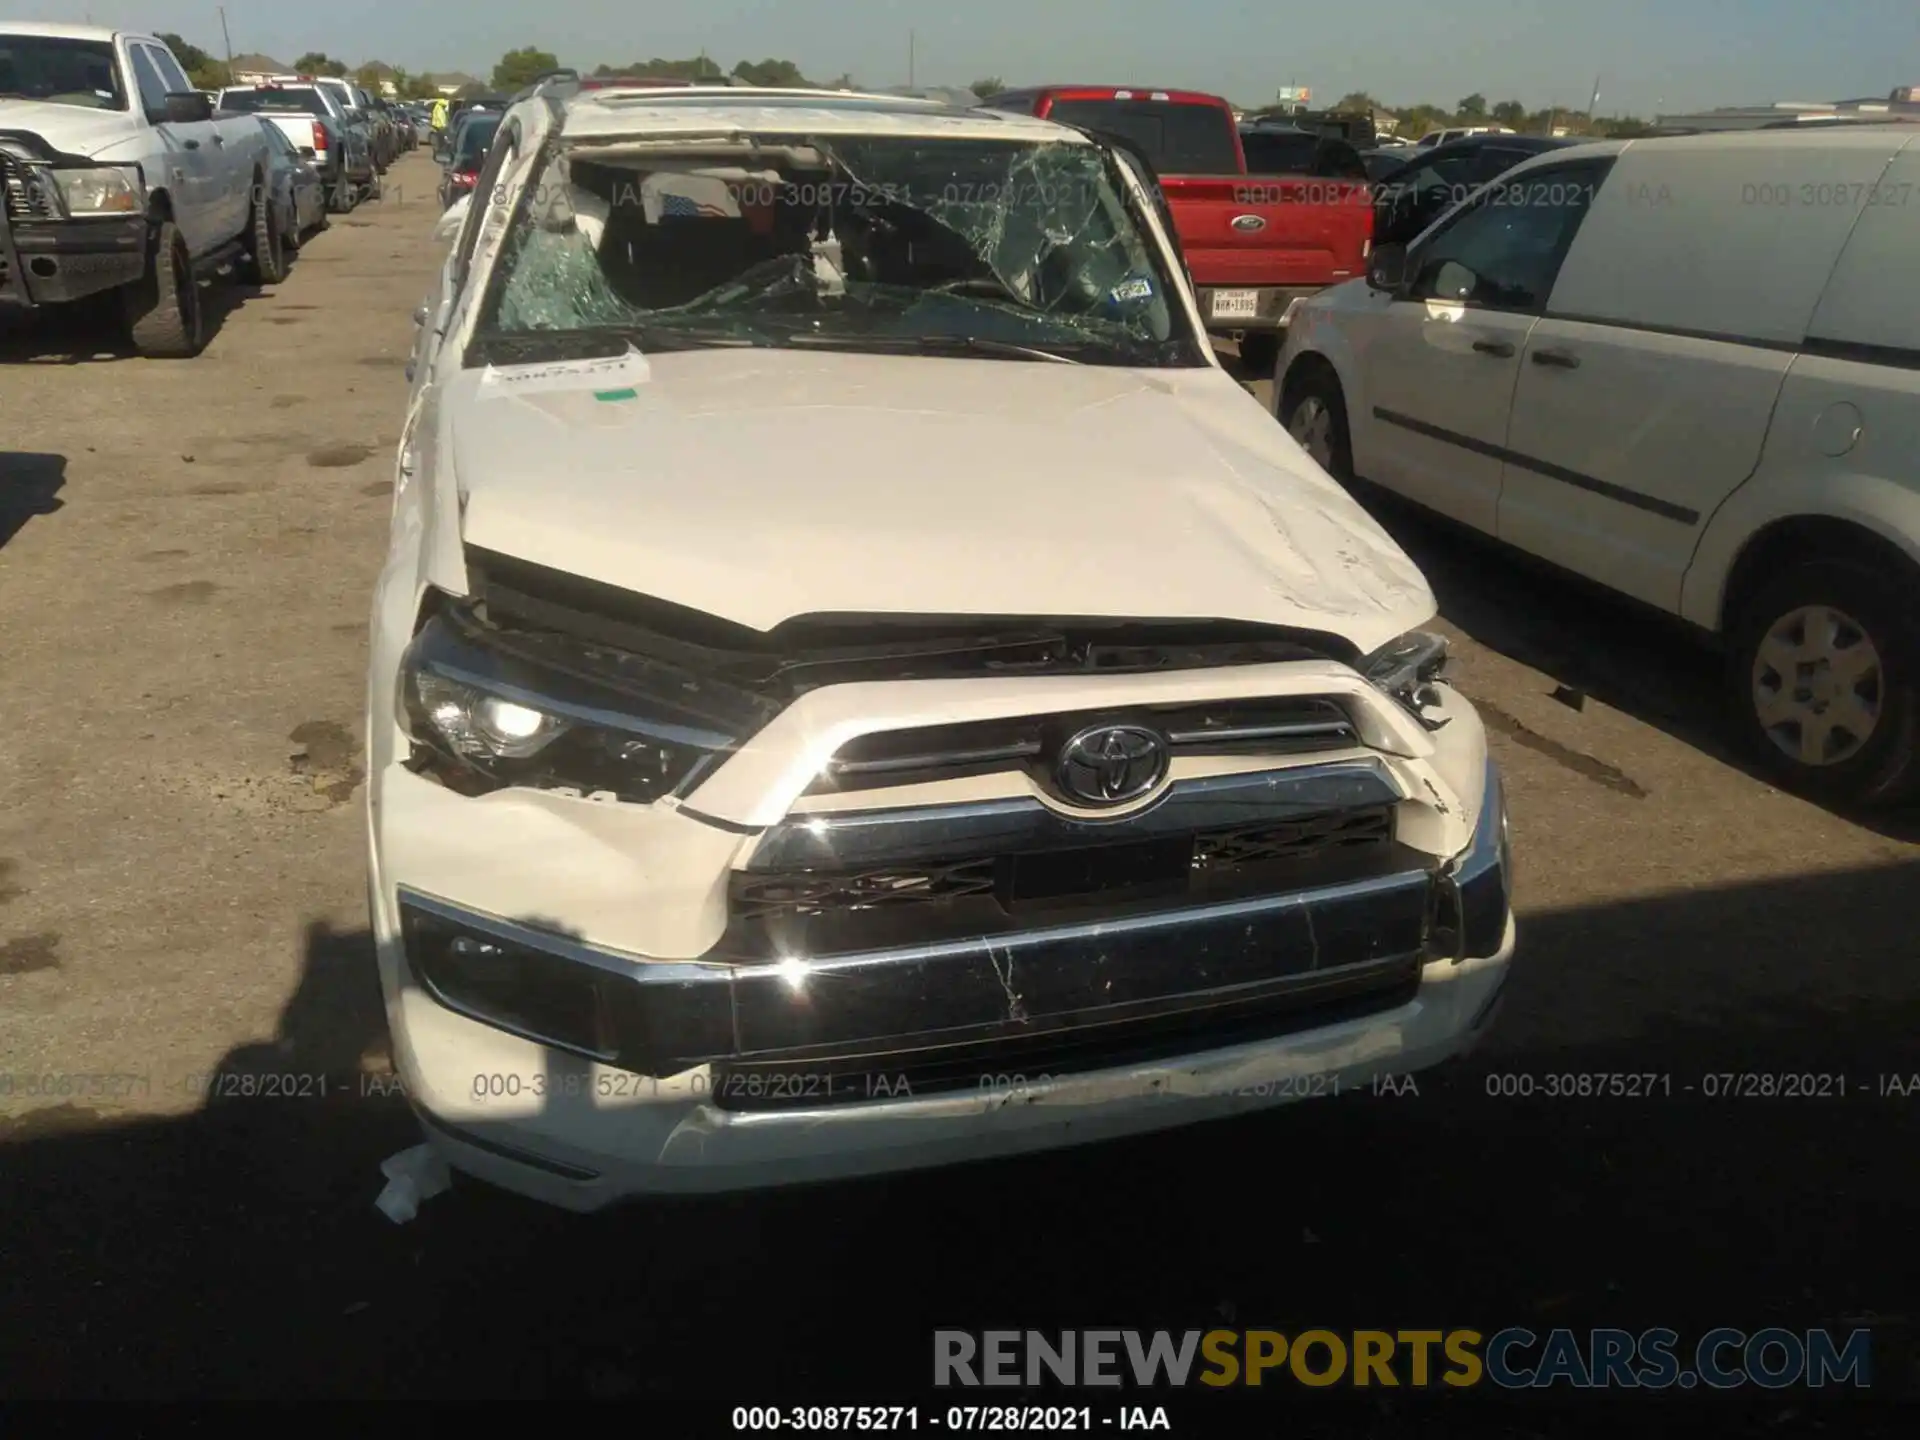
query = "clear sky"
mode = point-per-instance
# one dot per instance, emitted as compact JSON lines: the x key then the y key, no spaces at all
{"x":1652,"y":54}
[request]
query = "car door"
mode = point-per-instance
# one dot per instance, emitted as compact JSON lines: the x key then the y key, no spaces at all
{"x":1443,"y":362}
{"x":187,"y":149}
{"x":229,"y":176}
{"x":1648,"y":388}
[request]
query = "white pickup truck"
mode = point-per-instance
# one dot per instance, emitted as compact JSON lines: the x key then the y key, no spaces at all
{"x":116,"y":174}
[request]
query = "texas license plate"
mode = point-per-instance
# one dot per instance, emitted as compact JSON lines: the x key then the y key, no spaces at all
{"x":1236,"y":304}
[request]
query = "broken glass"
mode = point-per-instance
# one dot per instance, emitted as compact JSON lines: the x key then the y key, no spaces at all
{"x":1016,"y":245}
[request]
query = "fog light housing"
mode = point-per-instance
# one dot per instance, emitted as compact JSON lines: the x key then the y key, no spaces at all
{"x":536,"y":996}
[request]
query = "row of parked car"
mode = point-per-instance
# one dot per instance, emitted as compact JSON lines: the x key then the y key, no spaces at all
{"x":118,"y":178}
{"x":350,"y":137}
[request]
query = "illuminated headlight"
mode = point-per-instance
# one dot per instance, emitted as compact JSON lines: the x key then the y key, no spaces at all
{"x":1407,"y":669}
{"x":99,"y":190}
{"x":484,"y":713}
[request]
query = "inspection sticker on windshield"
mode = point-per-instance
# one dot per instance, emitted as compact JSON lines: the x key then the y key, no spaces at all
{"x":1138,"y":288}
{"x":614,"y":376}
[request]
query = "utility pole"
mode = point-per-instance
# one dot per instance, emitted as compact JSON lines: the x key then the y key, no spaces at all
{"x":1593,"y":105}
{"x":910,"y":46}
{"x":227,"y":39}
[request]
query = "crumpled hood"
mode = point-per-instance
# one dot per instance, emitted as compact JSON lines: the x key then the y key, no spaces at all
{"x":71,"y":128}
{"x":759,"y":485}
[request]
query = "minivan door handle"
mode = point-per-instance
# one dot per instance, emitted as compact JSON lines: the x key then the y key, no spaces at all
{"x":1558,"y":359}
{"x":1500,"y":348}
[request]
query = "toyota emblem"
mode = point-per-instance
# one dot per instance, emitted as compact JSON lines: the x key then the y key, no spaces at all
{"x":1111,"y":764}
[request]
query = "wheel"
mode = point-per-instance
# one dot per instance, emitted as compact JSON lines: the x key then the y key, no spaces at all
{"x":1824,"y":679}
{"x":162,"y":308}
{"x":1315,"y":414}
{"x":267,"y":246}
{"x":340,"y":194}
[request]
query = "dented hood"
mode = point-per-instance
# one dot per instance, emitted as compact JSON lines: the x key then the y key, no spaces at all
{"x":71,"y":128}
{"x":758,"y":485}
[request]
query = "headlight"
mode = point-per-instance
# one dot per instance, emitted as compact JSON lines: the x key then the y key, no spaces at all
{"x":1407,"y":669}
{"x":487,"y":710}
{"x":99,"y":190}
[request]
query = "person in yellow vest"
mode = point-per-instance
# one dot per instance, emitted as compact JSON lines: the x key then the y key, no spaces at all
{"x":438,"y":119}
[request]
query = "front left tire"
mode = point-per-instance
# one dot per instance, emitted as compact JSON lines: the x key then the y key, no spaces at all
{"x":162,"y":308}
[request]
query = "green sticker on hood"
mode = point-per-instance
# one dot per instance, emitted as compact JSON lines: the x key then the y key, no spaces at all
{"x":627,"y":394}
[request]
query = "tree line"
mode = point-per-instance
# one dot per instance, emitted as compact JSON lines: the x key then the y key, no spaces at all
{"x":1416,"y":120}
{"x":210,"y":73}
{"x":519,"y":68}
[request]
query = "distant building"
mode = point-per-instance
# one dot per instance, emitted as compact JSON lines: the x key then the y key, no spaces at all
{"x":382,"y":79}
{"x":256,"y":69}
{"x":451,"y":83}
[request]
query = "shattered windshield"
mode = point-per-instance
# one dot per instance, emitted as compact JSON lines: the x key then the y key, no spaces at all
{"x":897,"y":244}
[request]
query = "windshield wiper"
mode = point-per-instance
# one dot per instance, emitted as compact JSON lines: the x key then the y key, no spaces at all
{"x":930,"y":345}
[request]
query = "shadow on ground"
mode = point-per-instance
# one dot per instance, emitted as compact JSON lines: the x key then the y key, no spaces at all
{"x":91,"y":331}
{"x":29,"y":485}
{"x":1590,"y":642}
{"x":236,"y":1252}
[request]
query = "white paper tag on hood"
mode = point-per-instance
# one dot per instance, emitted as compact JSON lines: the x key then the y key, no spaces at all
{"x":603,"y":375}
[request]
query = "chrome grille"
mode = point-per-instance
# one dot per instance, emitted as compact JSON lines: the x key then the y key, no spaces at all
{"x":1293,"y":726}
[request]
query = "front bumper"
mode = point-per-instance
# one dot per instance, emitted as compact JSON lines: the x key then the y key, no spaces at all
{"x":53,"y":262}
{"x":599,"y":1074}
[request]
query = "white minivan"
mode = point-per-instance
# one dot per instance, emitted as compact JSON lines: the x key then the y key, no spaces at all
{"x":1688,"y":369}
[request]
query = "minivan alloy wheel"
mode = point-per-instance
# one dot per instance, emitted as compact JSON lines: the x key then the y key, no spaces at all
{"x":1818,"y":685}
{"x":1311,"y":426}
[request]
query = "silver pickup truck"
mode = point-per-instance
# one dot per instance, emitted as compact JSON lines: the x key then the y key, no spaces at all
{"x":116,"y":174}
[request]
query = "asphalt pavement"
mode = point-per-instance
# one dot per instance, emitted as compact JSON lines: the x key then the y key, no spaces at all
{"x":187,"y":551}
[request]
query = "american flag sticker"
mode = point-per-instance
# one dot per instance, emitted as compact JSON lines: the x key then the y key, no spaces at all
{"x":688,"y":208}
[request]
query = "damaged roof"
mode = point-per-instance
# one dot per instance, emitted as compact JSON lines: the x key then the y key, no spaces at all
{"x":702,"y":110}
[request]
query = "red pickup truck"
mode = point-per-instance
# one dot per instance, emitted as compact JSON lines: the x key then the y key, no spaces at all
{"x":1255,"y":244}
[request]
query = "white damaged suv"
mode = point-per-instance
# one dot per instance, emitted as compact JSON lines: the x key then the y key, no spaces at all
{"x":855,"y":685}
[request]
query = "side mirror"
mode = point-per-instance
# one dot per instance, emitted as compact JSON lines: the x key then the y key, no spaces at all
{"x":187,"y":107}
{"x":1387,"y":268}
{"x":449,"y":225}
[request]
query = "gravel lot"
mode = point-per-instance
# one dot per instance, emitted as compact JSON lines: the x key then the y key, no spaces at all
{"x":186,"y":555}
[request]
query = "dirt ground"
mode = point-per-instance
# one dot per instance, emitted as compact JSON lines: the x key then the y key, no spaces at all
{"x":186,"y":557}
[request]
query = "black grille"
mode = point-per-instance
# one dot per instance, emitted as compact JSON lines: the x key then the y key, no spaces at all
{"x":1173,"y":868}
{"x":1294,"y":726}
{"x":1292,"y":840}
{"x":757,"y":897}
{"x":21,"y":201}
